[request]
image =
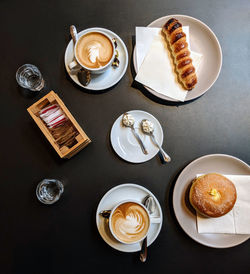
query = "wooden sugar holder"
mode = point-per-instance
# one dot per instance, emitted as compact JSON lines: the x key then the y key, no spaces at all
{"x":81,"y":138}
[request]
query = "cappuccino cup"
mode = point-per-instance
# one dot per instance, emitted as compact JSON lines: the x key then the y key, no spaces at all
{"x":129,"y":222}
{"x":93,"y":51}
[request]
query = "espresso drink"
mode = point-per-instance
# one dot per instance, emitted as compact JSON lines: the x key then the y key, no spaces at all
{"x":94,"y":50}
{"x":130,"y":222}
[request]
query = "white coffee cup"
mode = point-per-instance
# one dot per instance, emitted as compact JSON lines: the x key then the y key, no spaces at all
{"x":131,"y":219}
{"x":78,"y":62}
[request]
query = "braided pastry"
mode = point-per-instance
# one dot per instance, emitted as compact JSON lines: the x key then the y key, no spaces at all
{"x":179,"y":47}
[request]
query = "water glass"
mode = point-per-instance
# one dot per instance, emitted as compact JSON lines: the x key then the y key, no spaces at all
{"x":48,"y":191}
{"x":28,"y":76}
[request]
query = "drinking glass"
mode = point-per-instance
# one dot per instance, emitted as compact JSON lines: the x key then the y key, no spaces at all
{"x":48,"y":191}
{"x":28,"y":76}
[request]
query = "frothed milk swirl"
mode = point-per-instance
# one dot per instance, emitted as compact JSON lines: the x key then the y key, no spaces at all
{"x":130,"y":222}
{"x":94,"y":50}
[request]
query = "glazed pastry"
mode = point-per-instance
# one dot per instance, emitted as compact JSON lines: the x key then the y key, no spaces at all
{"x":212,"y":195}
{"x":179,"y":48}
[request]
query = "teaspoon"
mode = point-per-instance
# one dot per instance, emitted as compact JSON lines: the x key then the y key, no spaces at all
{"x":82,"y":74}
{"x":128,"y":121}
{"x":149,"y":203}
{"x":148,"y":128}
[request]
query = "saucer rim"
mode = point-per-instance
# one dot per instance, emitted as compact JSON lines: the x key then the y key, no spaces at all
{"x":124,"y":245}
{"x":122,"y":73}
{"x":161,"y":134}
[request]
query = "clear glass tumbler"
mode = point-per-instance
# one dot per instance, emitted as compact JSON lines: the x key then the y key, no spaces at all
{"x":29,"y":76}
{"x":48,"y":191}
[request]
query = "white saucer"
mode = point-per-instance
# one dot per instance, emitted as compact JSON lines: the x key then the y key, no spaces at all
{"x":202,"y":40}
{"x":114,"y":196}
{"x":110,"y":77}
{"x":125,"y":144}
{"x":185,"y":215}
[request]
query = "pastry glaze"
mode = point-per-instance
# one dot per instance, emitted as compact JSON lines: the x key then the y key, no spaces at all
{"x":179,"y":48}
{"x":212,"y":195}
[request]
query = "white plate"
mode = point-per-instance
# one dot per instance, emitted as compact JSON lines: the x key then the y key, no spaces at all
{"x":186,"y":216}
{"x":110,"y":77}
{"x":202,"y":40}
{"x":114,"y":196}
{"x":125,"y":144}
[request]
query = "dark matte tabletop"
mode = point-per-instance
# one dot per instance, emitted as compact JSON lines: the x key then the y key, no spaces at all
{"x":63,"y":238}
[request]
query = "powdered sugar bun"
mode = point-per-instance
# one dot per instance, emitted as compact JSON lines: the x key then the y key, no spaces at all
{"x":212,"y":195}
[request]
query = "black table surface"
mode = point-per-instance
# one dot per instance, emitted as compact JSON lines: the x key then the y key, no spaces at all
{"x":63,"y":238}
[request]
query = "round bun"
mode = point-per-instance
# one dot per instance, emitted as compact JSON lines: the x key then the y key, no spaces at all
{"x":212,"y":195}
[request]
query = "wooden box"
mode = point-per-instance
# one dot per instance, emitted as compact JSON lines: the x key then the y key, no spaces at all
{"x":81,"y":138}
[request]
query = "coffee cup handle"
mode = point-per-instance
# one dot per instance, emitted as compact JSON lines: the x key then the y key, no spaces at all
{"x":155,"y":220}
{"x":73,"y":65}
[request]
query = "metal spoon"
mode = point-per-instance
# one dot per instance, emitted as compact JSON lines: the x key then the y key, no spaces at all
{"x":149,"y":131}
{"x":83,"y":75}
{"x":73,"y":33}
{"x":149,"y":203}
{"x":128,"y":121}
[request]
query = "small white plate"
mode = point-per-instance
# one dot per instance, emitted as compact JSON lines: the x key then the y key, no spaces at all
{"x":113,"y":197}
{"x":125,"y":144}
{"x":110,"y":77}
{"x":221,"y":163}
{"x":202,"y":40}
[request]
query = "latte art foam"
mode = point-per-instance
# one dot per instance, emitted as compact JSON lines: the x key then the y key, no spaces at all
{"x":93,"y":53}
{"x":130,"y":222}
{"x":94,"y":50}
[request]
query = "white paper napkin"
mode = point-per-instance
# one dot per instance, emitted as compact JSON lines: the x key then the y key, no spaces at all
{"x":144,"y":38}
{"x":237,"y":221}
{"x":156,"y":69}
